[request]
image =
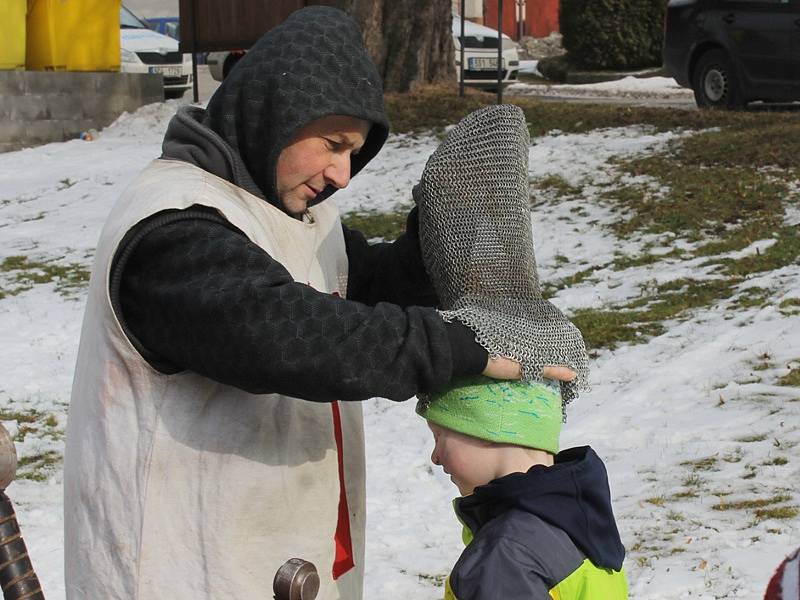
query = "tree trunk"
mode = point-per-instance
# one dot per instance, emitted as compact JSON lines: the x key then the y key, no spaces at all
{"x":410,"y":41}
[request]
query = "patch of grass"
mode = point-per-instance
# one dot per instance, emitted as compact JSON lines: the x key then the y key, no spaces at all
{"x":685,"y":494}
{"x":693,"y":481}
{"x":702,"y":464}
{"x":675,"y":516}
{"x":38,"y":467}
{"x":699,"y":200}
{"x":790,"y":307}
{"x":430,"y":107}
{"x":749,"y":439}
{"x":791,"y":379}
{"x":23,"y":273}
{"x":781,"y":512}
{"x":749,"y":504}
{"x":785,"y":252}
{"x":657,"y":500}
{"x":33,"y":422}
{"x":622,"y":262}
{"x":746,"y":147}
{"x":434,"y":579}
{"x":556,"y":184}
{"x":378,"y":225}
{"x":609,"y":328}
{"x":777,"y":461}
{"x":751,"y":298}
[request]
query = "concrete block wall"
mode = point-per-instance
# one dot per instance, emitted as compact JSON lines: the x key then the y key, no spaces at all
{"x":38,"y":107}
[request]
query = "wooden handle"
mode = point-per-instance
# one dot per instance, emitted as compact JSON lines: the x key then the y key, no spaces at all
{"x":17,"y":578}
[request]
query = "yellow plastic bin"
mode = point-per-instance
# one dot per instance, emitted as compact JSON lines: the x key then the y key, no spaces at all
{"x":12,"y":34}
{"x":73,"y":35}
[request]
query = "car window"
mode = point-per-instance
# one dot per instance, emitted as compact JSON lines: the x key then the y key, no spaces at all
{"x":127,"y":20}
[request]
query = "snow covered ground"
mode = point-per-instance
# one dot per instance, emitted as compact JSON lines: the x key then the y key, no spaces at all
{"x":626,"y":87}
{"x":692,"y":419}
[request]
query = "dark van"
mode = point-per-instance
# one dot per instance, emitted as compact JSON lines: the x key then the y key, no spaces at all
{"x":731,"y":52}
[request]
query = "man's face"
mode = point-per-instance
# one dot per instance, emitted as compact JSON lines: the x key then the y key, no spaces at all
{"x":470,"y":462}
{"x":318,"y":156}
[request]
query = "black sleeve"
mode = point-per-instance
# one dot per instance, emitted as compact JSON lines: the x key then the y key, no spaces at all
{"x":388,"y":272}
{"x":502,"y":570}
{"x":193,"y":293}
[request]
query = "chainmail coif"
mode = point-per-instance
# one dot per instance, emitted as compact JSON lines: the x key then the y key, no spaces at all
{"x":477,"y":244}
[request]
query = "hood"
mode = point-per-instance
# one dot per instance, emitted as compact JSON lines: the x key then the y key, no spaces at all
{"x":146,"y":40}
{"x":312,"y":65}
{"x":572,"y":495}
{"x":473,"y":29}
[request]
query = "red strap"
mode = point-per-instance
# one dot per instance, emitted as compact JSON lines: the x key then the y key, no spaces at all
{"x":344,"y":543}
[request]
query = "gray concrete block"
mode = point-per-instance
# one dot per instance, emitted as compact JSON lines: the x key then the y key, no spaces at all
{"x":64,"y":107}
{"x":12,"y":83}
{"x":45,"y":131}
{"x":29,"y":107}
{"x":12,"y":131}
{"x":10,"y":147}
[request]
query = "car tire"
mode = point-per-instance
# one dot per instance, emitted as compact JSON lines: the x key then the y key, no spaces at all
{"x":715,"y":83}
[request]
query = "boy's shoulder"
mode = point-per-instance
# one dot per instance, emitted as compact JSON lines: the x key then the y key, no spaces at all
{"x":520,"y":538}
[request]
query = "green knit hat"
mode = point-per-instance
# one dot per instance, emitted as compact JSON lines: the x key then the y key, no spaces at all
{"x":510,"y":412}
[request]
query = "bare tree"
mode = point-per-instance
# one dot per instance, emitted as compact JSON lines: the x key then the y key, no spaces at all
{"x":409,"y":40}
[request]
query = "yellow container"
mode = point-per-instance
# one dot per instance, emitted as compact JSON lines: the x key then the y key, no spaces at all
{"x":73,"y":35}
{"x":12,"y":34}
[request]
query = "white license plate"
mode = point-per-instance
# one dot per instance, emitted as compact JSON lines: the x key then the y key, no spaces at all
{"x":482,"y":64}
{"x":167,"y":71}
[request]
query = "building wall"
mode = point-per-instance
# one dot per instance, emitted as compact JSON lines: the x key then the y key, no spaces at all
{"x":541,"y":17}
{"x":38,"y":107}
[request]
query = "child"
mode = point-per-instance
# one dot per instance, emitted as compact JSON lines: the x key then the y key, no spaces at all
{"x":537,"y":522}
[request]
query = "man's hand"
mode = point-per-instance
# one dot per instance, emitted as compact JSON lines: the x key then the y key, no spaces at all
{"x":507,"y":368}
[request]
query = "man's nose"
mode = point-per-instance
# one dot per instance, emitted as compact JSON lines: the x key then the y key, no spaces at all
{"x":338,"y":172}
{"x":435,"y":458}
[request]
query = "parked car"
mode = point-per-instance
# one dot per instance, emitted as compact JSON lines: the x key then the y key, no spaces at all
{"x":731,"y":52}
{"x":147,"y":51}
{"x":480,"y":54}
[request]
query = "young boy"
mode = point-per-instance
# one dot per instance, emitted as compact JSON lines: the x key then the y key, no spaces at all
{"x":538,"y":523}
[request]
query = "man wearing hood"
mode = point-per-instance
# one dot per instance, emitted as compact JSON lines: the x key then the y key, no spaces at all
{"x":229,"y":312}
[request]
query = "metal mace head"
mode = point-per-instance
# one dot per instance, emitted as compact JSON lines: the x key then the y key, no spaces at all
{"x":8,"y":459}
{"x":297,"y":579}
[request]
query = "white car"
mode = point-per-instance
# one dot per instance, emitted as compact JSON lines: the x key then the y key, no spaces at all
{"x":480,"y":54}
{"x":146,"y":51}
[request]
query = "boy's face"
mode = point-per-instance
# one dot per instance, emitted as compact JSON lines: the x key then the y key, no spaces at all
{"x":469,"y":461}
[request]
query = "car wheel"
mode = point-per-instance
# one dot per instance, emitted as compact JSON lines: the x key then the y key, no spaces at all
{"x":714,"y":82}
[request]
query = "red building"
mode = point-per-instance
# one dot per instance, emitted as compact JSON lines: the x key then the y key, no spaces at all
{"x":538,"y":18}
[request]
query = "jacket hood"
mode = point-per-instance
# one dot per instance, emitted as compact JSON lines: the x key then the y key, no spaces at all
{"x":312,"y":65}
{"x":572,"y":495}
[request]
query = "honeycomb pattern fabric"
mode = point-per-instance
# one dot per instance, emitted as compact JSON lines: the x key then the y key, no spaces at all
{"x":312,"y":65}
{"x":477,"y":245}
{"x":192,"y":292}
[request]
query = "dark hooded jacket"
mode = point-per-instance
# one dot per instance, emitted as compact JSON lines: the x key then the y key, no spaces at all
{"x":534,"y":531}
{"x":182,"y":281}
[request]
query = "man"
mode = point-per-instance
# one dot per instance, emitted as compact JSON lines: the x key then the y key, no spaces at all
{"x":229,"y":311}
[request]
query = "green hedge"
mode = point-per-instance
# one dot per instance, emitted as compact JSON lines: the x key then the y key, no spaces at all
{"x":613,"y":34}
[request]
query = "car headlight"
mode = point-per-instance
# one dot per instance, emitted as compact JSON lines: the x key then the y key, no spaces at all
{"x":508,"y":43}
{"x":127,"y":56}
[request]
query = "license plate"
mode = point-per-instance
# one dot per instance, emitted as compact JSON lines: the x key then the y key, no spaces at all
{"x":482,"y":64}
{"x":167,"y":71}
